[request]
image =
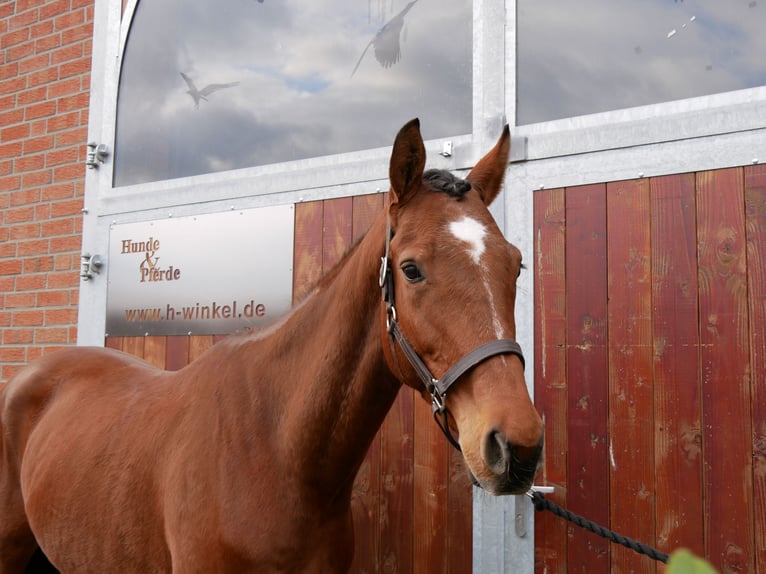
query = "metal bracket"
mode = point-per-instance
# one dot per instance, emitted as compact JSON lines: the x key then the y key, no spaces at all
{"x":97,"y":153}
{"x":90,"y":265}
{"x":523,"y":504}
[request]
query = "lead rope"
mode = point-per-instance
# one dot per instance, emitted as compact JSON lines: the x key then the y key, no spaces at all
{"x":541,"y":503}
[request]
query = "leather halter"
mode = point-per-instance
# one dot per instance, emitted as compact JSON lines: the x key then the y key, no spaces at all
{"x":437,"y":388}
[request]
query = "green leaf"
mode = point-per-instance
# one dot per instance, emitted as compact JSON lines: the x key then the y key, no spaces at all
{"x":684,"y":562}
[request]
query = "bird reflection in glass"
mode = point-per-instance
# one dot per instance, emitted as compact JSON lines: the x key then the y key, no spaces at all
{"x":386,"y":42}
{"x":198,"y":95}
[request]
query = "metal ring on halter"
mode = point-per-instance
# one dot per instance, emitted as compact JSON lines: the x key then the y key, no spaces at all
{"x":390,"y":317}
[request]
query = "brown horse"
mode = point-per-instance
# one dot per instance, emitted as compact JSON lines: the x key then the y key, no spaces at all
{"x":244,"y":460}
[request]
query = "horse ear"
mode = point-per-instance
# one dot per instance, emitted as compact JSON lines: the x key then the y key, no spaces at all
{"x":487,"y":175}
{"x":408,"y":158}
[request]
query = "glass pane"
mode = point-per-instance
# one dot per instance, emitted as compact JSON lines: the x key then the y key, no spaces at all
{"x":212,"y":85}
{"x":589,"y":56}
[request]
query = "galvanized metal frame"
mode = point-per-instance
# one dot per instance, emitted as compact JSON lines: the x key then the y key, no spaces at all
{"x":702,"y":133}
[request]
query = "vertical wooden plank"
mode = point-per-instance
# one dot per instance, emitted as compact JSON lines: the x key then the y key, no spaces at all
{"x":631,"y":398}
{"x":154,"y":351}
{"x":134,"y":346}
{"x":114,"y":343}
{"x":587,"y":473}
{"x":678,"y":426}
{"x":459,"y":515}
{"x":307,"y":264}
{"x":429,"y":513}
{"x":365,"y":497}
{"x":755,"y":221}
{"x":550,"y":371}
{"x":336,"y":237}
{"x":198,"y":344}
{"x":396,"y":495}
{"x":724,"y":360}
{"x":176,"y":352}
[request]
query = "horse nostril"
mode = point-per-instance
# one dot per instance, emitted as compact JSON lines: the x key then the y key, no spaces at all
{"x":497,"y":452}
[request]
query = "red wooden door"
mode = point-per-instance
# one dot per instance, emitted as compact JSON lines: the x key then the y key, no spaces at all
{"x":650,"y":299}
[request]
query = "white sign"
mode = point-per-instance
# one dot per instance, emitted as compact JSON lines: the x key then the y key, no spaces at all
{"x":207,"y":274}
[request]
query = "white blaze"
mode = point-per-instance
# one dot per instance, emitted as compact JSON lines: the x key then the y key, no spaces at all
{"x":473,"y":233}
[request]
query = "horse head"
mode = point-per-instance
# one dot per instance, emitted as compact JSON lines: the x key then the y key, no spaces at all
{"x":449,"y":284}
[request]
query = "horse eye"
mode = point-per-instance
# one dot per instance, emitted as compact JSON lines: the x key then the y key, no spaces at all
{"x":412,"y":273}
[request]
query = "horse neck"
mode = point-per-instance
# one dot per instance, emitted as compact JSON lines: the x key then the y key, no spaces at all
{"x":334,"y":382}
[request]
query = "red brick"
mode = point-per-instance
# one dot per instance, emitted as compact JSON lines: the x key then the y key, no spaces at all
{"x":74,"y":136}
{"x":42,"y":211}
{"x":19,"y":215}
{"x":58,"y":227}
{"x":74,"y":102}
{"x":6,"y":9}
{"x":22,"y":19}
{"x":12,"y":149}
{"x":52,"y":9}
{"x":17,"y":336}
{"x":58,"y":191}
{"x":57,"y":298}
{"x":61,"y":156}
{"x":20,"y":51}
{"x":13,"y":354}
{"x":7,"y":251}
{"x":15,"y":132}
{"x":11,"y":117}
{"x":39,"y":144}
{"x":27,"y":231}
{"x":17,"y":300}
{"x":33,"y":247}
{"x":10,"y":183}
{"x":63,"y":121}
{"x":59,"y":244}
{"x":38,"y":127}
{"x":10,"y":370}
{"x":32,"y":95}
{"x":34,"y":63}
{"x":41,"y":110}
{"x":47,"y":43}
{"x":69,"y":20}
{"x":33,"y":282}
{"x":10,"y":267}
{"x":88,"y":4}
{"x":25,"y":197}
{"x":15,"y":37}
{"x":13,"y":85}
{"x":66,"y":262}
{"x":66,"y":172}
{"x":7,"y":102}
{"x":51,"y":335}
{"x":67,"y":53}
{"x":40,"y":264}
{"x":75,"y":67}
{"x":27,"y":318}
{"x":45,"y":76}
{"x":41,"y":28}
{"x":29,"y":162}
{"x":64,"y":87}
{"x":66,"y":316}
{"x":5,"y":319}
{"x":36,"y":178}
{"x":9,"y":71}
{"x":63,"y":280}
{"x":27,"y":4}
{"x":78,"y":33}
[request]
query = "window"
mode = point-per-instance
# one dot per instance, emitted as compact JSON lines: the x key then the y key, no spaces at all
{"x":212,"y":86}
{"x":577,"y":58}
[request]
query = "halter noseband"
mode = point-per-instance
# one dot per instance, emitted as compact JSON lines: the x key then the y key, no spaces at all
{"x":437,"y":388}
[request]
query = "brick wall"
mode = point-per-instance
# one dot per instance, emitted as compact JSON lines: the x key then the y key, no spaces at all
{"x":45,"y":49}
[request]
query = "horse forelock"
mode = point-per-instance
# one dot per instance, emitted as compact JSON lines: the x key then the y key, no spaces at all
{"x":446,"y":182}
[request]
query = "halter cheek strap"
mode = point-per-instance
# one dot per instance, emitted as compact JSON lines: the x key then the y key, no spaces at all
{"x":437,"y":388}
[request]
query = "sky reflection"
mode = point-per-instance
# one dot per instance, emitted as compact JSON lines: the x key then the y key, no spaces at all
{"x":577,"y":58}
{"x":284,"y":82}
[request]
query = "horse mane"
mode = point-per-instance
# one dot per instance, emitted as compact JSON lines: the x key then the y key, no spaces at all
{"x":446,"y":182}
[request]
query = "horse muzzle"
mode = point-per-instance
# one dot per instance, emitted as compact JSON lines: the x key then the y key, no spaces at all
{"x":508,"y":468}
